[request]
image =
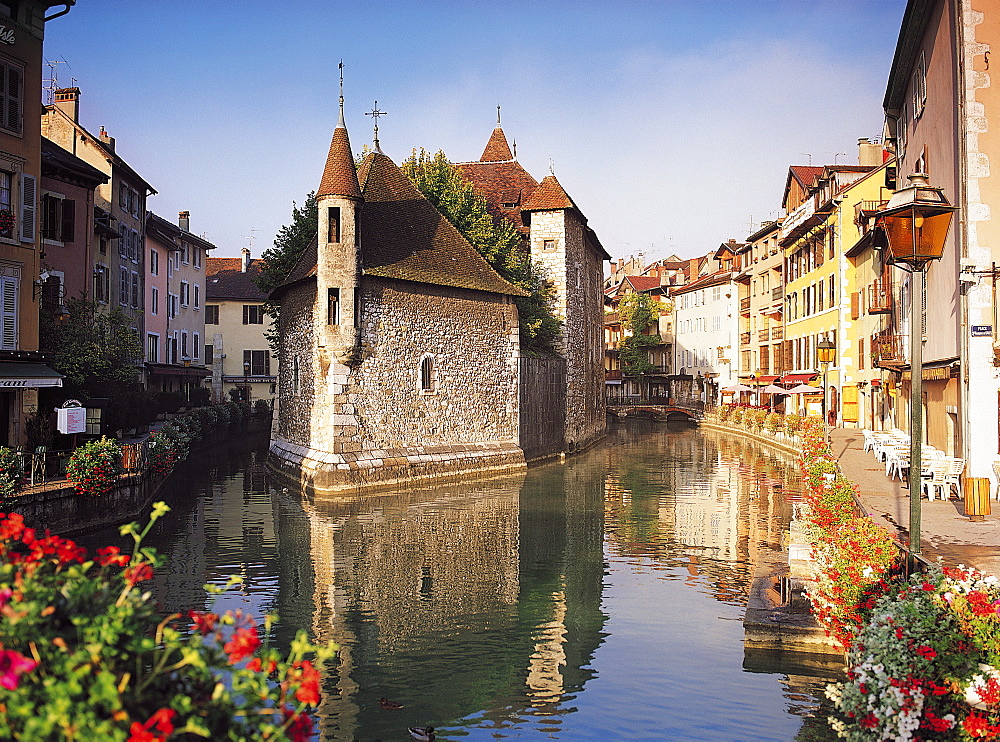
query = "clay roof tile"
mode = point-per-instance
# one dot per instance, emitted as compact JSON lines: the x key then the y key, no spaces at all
{"x":497,"y":149}
{"x":340,"y":177}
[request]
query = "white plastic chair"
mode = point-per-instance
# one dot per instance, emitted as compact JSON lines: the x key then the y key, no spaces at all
{"x":935,"y":483}
{"x":953,"y":477}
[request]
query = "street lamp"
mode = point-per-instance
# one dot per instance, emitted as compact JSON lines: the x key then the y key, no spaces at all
{"x":825,"y":352}
{"x":246,"y":382}
{"x":915,"y":223}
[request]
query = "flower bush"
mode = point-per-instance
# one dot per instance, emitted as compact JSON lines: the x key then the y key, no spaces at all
{"x":85,"y":655}
{"x":95,"y":467}
{"x":924,"y":666}
{"x":162,"y":453}
{"x":11,"y":476}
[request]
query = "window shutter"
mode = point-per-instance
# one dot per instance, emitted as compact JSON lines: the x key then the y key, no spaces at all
{"x":855,"y":305}
{"x":28,"y":194}
{"x":849,"y":403}
{"x":8,"y":313}
{"x":246,"y":314}
{"x":267,"y":363}
{"x":13,"y":118}
{"x":68,"y":220}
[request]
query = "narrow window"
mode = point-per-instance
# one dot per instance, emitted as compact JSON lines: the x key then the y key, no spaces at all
{"x":211,"y":314}
{"x":333,"y":306}
{"x":295,"y":375}
{"x":333,"y":229}
{"x":548,"y":245}
{"x":427,"y":374}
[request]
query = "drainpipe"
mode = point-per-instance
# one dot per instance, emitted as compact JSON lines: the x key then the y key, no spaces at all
{"x":961,"y":232}
{"x":66,"y":7}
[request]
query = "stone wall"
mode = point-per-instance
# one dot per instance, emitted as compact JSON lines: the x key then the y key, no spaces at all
{"x":576,"y":271}
{"x":371,"y":423}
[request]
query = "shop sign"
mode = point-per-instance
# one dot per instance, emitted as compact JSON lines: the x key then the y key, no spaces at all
{"x":982,"y":331}
{"x":6,"y":35}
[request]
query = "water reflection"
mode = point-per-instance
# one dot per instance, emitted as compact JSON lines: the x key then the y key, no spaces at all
{"x":600,"y":598}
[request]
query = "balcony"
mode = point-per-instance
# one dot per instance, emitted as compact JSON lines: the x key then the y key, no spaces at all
{"x":612,"y":375}
{"x":777,"y":333}
{"x":763,"y":335}
{"x":880,"y":297}
{"x":744,"y":338}
{"x":888,"y":350}
{"x":745,"y":304}
{"x":865,"y":210}
{"x":777,"y":294}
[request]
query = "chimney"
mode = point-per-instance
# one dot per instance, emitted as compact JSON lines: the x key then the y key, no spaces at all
{"x":869,"y":155}
{"x":246,"y":259}
{"x":106,"y":140}
{"x":67,"y":100}
{"x":184,"y":220}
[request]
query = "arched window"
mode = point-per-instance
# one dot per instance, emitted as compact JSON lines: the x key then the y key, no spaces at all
{"x":428,"y":375}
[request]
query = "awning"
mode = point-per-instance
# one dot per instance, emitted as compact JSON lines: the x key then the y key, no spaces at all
{"x":798,"y":378}
{"x":765,"y":380}
{"x":27,"y":376}
{"x":166,"y":369}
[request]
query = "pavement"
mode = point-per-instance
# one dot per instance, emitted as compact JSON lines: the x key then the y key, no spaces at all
{"x":946,"y":532}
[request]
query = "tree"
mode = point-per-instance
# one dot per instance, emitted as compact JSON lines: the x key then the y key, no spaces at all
{"x":637,"y":312}
{"x":495,"y":239}
{"x":289,"y":244}
{"x":94,"y":348}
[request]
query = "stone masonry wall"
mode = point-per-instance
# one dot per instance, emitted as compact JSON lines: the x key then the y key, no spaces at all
{"x":371,"y":424}
{"x":576,"y":272}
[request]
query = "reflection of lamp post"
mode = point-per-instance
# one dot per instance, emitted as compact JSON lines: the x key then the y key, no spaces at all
{"x":246,"y":382}
{"x":825,"y":352}
{"x":915,"y":223}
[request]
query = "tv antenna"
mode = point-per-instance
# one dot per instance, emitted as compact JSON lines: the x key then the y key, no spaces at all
{"x":809,"y":155}
{"x":838,"y":154}
{"x":250,"y":237}
{"x":52,"y":84}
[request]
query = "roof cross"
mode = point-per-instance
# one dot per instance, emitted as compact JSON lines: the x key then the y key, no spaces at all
{"x":375,"y":113}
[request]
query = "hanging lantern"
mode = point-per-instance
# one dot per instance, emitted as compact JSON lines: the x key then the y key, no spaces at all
{"x":915,"y":222}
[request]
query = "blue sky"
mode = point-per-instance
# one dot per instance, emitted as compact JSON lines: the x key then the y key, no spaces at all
{"x":671,"y":123}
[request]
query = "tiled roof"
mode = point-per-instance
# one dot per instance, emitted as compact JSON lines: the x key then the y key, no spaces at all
{"x":225,"y":279}
{"x":340,"y":177}
{"x":59,"y":163}
{"x":712,"y":279}
{"x":497,"y":149}
{"x":405,"y":237}
{"x":643,"y":283}
{"x":501,"y":183}
{"x":548,"y":195}
{"x":806,"y":174}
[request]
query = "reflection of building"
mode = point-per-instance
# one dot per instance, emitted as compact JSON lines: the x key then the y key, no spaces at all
{"x":236,"y":331}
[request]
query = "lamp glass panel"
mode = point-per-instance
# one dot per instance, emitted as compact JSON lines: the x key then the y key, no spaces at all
{"x":916,"y":236}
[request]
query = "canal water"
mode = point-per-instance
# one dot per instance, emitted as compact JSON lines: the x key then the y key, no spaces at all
{"x":599,"y":598}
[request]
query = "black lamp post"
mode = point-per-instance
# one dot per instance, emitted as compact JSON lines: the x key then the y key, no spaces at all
{"x":915,"y":223}
{"x":246,"y":381}
{"x":825,"y":353}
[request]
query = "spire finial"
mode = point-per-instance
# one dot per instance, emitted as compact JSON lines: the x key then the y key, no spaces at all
{"x":514,"y":153}
{"x":375,"y":113}
{"x":340,"y":121}
{"x":498,"y":116}
{"x":552,"y":167}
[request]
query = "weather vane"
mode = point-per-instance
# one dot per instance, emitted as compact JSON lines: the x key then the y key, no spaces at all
{"x":375,"y":113}
{"x":498,"y":117}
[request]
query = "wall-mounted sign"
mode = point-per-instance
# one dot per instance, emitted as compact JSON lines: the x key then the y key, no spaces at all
{"x":71,"y":419}
{"x":982,"y":331}
{"x":6,"y":35}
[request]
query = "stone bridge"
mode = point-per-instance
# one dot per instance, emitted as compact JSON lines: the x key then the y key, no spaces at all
{"x":693,"y":411}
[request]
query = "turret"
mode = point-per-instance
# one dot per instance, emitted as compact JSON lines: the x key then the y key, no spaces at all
{"x":338,"y":200}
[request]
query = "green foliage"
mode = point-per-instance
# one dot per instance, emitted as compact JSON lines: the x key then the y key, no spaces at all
{"x":261,"y":408}
{"x":11,"y":477}
{"x":94,"y":348}
{"x":85,"y":655}
{"x":38,"y":430}
{"x":633,"y":355}
{"x":637,"y":312}
{"x":495,"y":238}
{"x":95,"y":466}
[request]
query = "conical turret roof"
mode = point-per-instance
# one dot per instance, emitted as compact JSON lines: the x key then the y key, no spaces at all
{"x":497,"y":149}
{"x":340,"y":177}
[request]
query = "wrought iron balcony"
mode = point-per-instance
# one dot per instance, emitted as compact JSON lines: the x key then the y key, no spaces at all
{"x":744,"y":338}
{"x":763,"y":334}
{"x":745,"y":304}
{"x":880,"y":297}
{"x":889,"y":350}
{"x":777,"y":333}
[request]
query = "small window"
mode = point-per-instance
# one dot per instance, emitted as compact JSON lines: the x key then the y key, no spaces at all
{"x":154,"y":263}
{"x":196,"y":345}
{"x":152,"y":348}
{"x":333,"y":228}
{"x":154,"y":300}
{"x":185,"y":293}
{"x":548,"y":245}
{"x":209,"y":353}
{"x":211,"y":314}
{"x":253,"y":314}
{"x":295,"y":375}
{"x":428,"y":374}
{"x":333,"y":306}
{"x":197,"y":296}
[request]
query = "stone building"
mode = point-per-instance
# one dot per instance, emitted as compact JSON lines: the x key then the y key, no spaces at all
{"x":572,"y":258}
{"x":399,"y":343}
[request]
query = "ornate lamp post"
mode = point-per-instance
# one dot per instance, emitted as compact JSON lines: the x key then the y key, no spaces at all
{"x":915,"y":222}
{"x":825,"y":353}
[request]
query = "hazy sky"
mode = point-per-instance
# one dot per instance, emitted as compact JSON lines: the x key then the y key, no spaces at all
{"x":671,"y":123}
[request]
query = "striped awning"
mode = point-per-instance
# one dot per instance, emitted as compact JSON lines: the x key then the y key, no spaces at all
{"x":27,"y":376}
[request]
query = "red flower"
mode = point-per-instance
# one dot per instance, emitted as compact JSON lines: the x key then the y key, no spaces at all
{"x":203,"y":622}
{"x":300,"y":730}
{"x":308,"y":691}
{"x":162,"y":720}
{"x":926,"y":652}
{"x":138,"y":573}
{"x":111,"y":555}
{"x":976,"y":726}
{"x":869,"y":722}
{"x":243,"y":643}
